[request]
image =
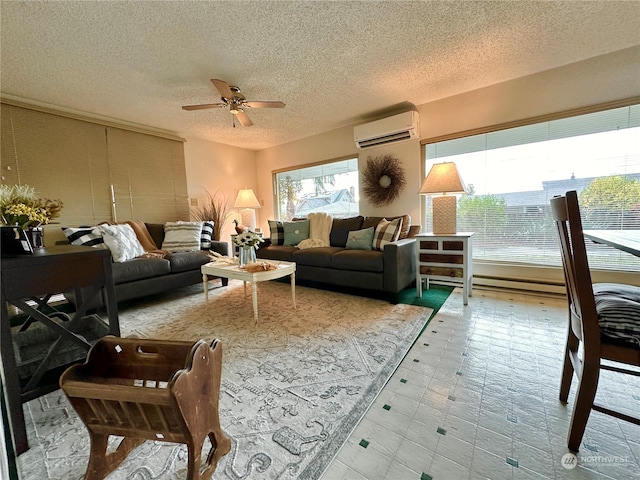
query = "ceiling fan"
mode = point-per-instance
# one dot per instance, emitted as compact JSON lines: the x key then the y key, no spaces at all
{"x":232,"y":97}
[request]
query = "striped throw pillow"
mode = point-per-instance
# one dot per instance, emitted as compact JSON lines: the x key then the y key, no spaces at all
{"x":207,"y":235}
{"x":83,"y":236}
{"x":182,"y":236}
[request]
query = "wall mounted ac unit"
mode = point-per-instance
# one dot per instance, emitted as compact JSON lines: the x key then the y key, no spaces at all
{"x":397,"y":128}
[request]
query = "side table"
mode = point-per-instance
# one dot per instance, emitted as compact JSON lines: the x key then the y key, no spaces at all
{"x":445,"y":259}
{"x":28,"y":282}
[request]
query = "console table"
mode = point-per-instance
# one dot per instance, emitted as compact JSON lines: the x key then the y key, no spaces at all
{"x":445,"y":259}
{"x":28,"y":282}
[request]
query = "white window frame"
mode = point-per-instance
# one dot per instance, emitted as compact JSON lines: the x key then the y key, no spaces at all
{"x":346,"y":206}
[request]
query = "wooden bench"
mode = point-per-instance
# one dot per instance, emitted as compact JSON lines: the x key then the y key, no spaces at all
{"x":144,"y":389}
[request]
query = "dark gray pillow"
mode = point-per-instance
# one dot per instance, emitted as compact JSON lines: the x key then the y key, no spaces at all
{"x":340,"y":229}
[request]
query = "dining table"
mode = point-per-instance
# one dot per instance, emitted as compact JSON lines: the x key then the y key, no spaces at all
{"x":625,"y":240}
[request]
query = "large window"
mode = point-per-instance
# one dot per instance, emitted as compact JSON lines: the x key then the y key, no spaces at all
{"x":330,"y":187}
{"x":512,"y":174}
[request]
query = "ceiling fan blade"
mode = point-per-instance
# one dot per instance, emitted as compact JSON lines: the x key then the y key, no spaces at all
{"x":244,"y":119}
{"x":223,"y":88}
{"x":204,"y":106}
{"x":258,"y":104}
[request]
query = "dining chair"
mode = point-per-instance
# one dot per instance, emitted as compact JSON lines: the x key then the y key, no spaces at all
{"x":604,"y":322}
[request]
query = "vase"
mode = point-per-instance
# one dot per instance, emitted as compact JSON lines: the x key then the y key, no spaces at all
{"x":35,"y":236}
{"x":246,"y":255}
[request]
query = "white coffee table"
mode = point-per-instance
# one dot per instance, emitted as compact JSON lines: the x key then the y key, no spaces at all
{"x":224,"y":270}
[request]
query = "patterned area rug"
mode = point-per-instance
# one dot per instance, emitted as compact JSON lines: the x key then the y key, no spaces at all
{"x":293,"y":387}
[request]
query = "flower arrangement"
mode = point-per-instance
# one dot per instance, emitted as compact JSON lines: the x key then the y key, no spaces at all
{"x":20,"y":205}
{"x":248,"y":239}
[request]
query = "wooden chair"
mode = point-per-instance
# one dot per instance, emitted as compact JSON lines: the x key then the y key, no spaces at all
{"x":149,"y":390}
{"x":594,"y":313}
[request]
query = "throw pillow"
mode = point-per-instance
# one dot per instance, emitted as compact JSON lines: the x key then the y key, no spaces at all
{"x":341,"y":227}
{"x":121,"y":240}
{"x":404,"y":229}
{"x":277,"y":232}
{"x":84,"y":236}
{"x":360,"y":239}
{"x":295,"y":232}
{"x":182,"y":236}
{"x":207,"y":235}
{"x":386,"y":232}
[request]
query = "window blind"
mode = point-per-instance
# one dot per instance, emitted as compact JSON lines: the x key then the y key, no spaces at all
{"x":512,"y":174}
{"x":79,"y":161}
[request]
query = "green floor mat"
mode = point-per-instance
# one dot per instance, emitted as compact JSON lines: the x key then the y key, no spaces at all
{"x":434,"y":297}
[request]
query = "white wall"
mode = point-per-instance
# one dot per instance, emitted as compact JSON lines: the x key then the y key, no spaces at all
{"x":602,"y":79}
{"x":408,"y":153}
{"x":218,"y":169}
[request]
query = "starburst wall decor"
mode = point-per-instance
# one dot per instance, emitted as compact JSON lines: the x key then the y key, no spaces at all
{"x":383,"y":179}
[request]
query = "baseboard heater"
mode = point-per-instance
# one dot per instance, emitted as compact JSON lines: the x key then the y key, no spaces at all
{"x":521,"y":284}
{"x":484,"y":282}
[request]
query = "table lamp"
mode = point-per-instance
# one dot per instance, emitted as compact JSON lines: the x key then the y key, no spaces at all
{"x":443,"y":182}
{"x":247,"y":202}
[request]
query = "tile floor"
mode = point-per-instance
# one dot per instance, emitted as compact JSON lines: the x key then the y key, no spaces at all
{"x":477,"y":398}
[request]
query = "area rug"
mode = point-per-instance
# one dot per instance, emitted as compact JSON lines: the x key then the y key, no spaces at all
{"x":293,"y":387}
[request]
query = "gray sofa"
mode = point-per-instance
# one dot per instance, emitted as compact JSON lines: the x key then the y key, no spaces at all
{"x":388,"y":271}
{"x":140,"y":277}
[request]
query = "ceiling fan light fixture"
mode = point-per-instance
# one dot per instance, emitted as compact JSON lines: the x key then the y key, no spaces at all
{"x":231,"y":97}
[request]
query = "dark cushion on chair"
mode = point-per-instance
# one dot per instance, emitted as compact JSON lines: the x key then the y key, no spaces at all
{"x":618,"y":308}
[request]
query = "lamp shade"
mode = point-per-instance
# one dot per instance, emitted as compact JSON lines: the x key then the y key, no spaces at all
{"x":443,"y":178}
{"x":246,"y":199}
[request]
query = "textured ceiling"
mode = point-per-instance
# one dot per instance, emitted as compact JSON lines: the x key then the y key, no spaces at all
{"x":332,"y":63}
